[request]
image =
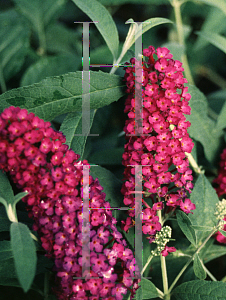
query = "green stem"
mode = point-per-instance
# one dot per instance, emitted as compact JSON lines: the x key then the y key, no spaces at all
{"x":163,"y":265}
{"x":176,"y":5}
{"x":191,"y":259}
{"x":208,"y":273}
{"x":193,"y":163}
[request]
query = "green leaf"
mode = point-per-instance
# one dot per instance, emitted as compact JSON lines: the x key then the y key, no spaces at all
{"x":6,"y":191}
{"x":214,"y":22}
{"x":147,"y":290}
{"x":215,"y":39}
{"x":63,"y":40}
{"x":106,"y":26}
{"x":107,"y":156}
{"x":202,"y":228}
{"x":54,"y":96}
{"x":111,"y":184}
{"x":205,"y":198}
{"x":213,"y":252}
{"x":198,"y":268}
{"x":49,"y":66}
{"x":72,"y":126}
{"x":221,"y":4}
{"x":19,"y":196}
{"x":120,"y":2}
{"x":186,"y":226}
{"x":221,"y":120}
{"x":14,"y":43}
{"x":5,"y":250}
{"x":24,"y":254}
{"x":200,"y":289}
{"x":199,"y":119}
{"x":145,"y":26}
{"x":39,"y":13}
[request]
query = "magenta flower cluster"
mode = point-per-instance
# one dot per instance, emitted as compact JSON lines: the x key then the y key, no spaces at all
{"x":160,"y":141}
{"x":37,"y":160}
{"x":221,"y":190}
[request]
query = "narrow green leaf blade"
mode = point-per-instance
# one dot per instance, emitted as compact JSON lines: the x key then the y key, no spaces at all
{"x":106,"y":26}
{"x":202,"y":228}
{"x":186,"y":226}
{"x":199,"y":119}
{"x":39,"y":12}
{"x":221,"y":120}
{"x":198,"y":268}
{"x":200,"y":289}
{"x":221,"y":4}
{"x":54,"y":96}
{"x":24,"y":254}
{"x":146,"y":25}
{"x":205,"y":198}
{"x":14,"y":43}
{"x":72,"y":128}
{"x":19,"y":196}
{"x":50,"y":66}
{"x":6,"y":191}
{"x":215,"y":39}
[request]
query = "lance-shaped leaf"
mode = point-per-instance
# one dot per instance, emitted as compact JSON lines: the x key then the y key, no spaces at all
{"x":215,"y":39}
{"x":186,"y":226}
{"x":24,"y":253}
{"x":103,"y":21}
{"x":54,"y":96}
{"x":198,"y":267}
{"x":72,"y":129}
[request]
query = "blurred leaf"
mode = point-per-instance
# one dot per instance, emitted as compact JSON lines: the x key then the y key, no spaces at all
{"x":202,"y":228}
{"x":145,"y":26}
{"x":49,"y":66}
{"x":106,"y":25}
{"x":199,"y":119}
{"x":221,"y":120}
{"x":213,"y":252}
{"x":215,"y":39}
{"x":200,"y":289}
{"x":216,"y":100}
{"x":6,"y":190}
{"x":186,"y":226}
{"x":5,"y":250}
{"x":198,"y":268}
{"x":205,"y":198}
{"x":63,"y":40}
{"x":120,"y":2}
{"x":54,"y":96}
{"x":24,"y":254}
{"x":14,"y":43}
{"x":111,"y":184}
{"x":4,"y":220}
{"x":221,"y":4}
{"x":39,"y":12}
{"x":72,"y":126}
{"x":107,"y":156}
{"x":214,"y":22}
{"x":176,"y":49}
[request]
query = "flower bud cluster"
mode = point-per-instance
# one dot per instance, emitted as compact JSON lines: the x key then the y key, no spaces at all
{"x":157,"y":137}
{"x":162,"y":237}
{"x":37,"y":160}
{"x":221,"y":190}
